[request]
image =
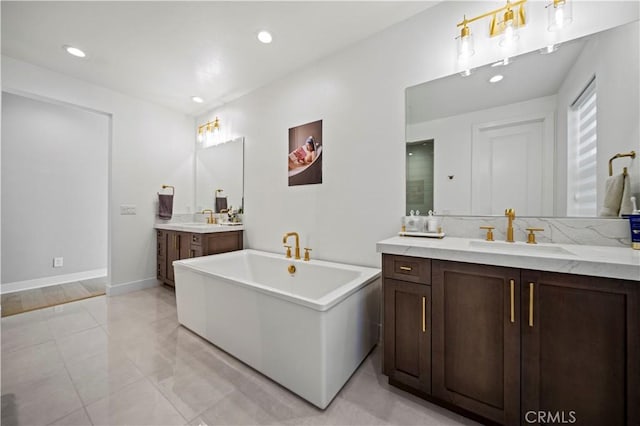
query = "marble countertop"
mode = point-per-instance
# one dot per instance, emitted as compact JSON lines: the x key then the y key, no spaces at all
{"x":198,"y":227}
{"x":599,"y":261}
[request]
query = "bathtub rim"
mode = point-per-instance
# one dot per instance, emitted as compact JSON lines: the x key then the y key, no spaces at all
{"x":367,"y":276}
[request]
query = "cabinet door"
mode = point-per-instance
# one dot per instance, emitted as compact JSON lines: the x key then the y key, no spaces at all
{"x":476,"y":339}
{"x":580,"y":355}
{"x":184,"y":245}
{"x":161,"y":255}
{"x":173,"y":253}
{"x":222,"y":242}
{"x":407,"y":333}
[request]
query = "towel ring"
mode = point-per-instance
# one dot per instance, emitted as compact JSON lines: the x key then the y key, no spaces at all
{"x":173,"y":190}
{"x":631,"y":154}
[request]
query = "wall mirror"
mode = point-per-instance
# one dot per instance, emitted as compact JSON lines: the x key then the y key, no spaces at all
{"x":220,"y":167}
{"x":537,"y":139}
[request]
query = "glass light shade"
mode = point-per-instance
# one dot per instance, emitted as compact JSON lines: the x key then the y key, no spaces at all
{"x":559,"y":14}
{"x":509,"y":36}
{"x":465,"y":47}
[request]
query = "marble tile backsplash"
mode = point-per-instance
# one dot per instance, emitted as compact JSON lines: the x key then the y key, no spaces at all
{"x":582,"y":231}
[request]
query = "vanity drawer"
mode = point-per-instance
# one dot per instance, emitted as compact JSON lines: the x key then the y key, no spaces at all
{"x":406,"y":268}
{"x":196,"y":239}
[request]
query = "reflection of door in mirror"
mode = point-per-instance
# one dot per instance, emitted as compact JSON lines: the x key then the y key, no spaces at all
{"x":511,"y":165}
{"x":420,"y":176}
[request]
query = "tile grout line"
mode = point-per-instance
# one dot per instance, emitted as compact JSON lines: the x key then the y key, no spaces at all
{"x":64,"y":363}
{"x":166,"y":398}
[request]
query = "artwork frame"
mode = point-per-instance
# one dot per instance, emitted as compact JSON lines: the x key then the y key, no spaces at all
{"x":305,"y":154}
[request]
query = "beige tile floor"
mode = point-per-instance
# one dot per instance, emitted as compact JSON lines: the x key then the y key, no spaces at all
{"x":125,"y":361}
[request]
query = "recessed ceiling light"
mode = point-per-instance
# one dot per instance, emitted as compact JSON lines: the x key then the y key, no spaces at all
{"x":411,"y":153}
{"x":74,"y":51}
{"x":197,"y":99}
{"x":496,"y":78}
{"x":265,"y":37}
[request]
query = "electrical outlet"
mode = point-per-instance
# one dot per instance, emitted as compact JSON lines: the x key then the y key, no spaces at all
{"x":58,"y":262}
{"x":127,"y":209}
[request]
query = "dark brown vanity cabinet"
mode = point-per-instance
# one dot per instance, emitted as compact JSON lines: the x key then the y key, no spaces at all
{"x":176,"y":245}
{"x":407,"y":319}
{"x":476,"y":339}
{"x":517,"y":346}
{"x":580,"y":354}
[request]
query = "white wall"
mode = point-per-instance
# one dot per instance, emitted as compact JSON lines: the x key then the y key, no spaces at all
{"x":453,"y":146}
{"x":150,"y":146}
{"x":359,"y":93}
{"x":616,"y":68}
{"x":54,"y":189}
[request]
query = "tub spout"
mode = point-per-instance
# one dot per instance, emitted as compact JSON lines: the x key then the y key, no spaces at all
{"x":294,"y":234}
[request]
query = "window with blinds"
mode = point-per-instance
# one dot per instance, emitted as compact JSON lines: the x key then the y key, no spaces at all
{"x":582,"y":144}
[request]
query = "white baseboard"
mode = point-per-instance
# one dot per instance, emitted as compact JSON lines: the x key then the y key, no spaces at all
{"x":49,"y":281}
{"x":118,"y":289}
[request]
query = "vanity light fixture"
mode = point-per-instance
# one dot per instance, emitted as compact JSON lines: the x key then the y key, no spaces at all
{"x":560,"y":14}
{"x":209,"y":131}
{"x":465,"y":42}
{"x":504,"y":22}
{"x":265,"y":37}
{"x":496,"y":78}
{"x":74,"y":51}
{"x":197,"y":99}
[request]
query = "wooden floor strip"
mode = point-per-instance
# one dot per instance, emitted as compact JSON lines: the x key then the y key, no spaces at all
{"x":40,"y":298}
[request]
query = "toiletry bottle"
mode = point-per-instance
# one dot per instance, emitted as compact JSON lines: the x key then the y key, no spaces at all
{"x":634,"y":223}
{"x":432,"y":222}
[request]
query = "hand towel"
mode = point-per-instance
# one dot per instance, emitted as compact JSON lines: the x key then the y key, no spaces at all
{"x":221,"y":204}
{"x":165,"y":206}
{"x":626,"y":207}
{"x":613,"y":189}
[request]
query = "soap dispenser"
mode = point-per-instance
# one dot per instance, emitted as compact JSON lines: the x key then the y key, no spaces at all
{"x":432,"y":222}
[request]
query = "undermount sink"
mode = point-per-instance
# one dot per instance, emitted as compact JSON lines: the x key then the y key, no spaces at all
{"x":519,"y":247}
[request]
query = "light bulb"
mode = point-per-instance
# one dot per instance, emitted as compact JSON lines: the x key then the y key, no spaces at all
{"x":559,"y":14}
{"x":510,"y":35}
{"x":465,"y":45}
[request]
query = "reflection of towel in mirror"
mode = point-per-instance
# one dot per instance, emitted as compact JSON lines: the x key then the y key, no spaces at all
{"x":165,"y":206}
{"x":626,"y":207}
{"x":221,"y":204}
{"x":613,"y":189}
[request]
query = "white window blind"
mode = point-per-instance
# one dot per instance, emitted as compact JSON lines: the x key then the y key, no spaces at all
{"x":583,"y":138}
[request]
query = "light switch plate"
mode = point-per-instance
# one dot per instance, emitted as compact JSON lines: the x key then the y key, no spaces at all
{"x":127,"y":209}
{"x":58,"y":262}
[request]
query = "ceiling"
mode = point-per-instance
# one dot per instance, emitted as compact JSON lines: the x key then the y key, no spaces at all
{"x":528,"y":76}
{"x":166,"y":52}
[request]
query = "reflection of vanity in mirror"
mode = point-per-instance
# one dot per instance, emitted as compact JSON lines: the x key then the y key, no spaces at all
{"x":539,"y":140}
{"x":220,"y":167}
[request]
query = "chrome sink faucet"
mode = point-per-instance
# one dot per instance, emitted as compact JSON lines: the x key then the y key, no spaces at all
{"x":511,"y":215}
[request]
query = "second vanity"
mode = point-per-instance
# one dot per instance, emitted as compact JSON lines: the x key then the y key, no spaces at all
{"x":177,"y":241}
{"x":514,"y":333}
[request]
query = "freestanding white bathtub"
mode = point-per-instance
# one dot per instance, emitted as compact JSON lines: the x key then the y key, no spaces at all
{"x":308,"y":331}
